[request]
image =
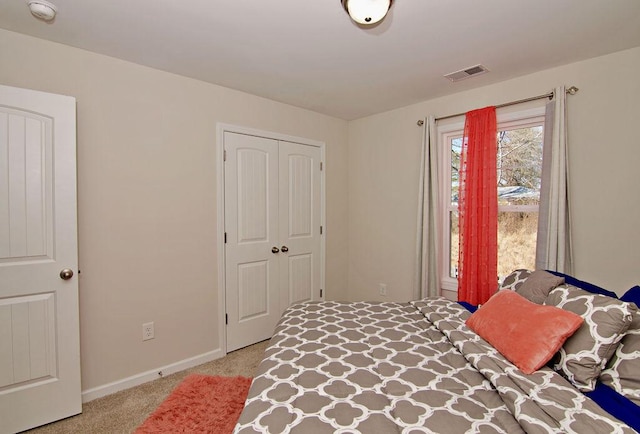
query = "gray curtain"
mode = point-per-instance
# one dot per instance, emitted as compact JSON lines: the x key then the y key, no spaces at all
{"x":554,"y":246}
{"x":427,"y":278}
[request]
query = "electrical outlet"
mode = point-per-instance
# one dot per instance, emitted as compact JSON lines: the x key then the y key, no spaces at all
{"x":147,"y":331}
{"x":383,"y":289}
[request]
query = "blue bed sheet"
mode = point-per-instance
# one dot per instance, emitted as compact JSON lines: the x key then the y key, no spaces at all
{"x":616,"y":405}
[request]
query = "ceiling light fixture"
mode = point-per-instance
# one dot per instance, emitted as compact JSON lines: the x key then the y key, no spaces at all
{"x":367,"y":12}
{"x":42,"y":9}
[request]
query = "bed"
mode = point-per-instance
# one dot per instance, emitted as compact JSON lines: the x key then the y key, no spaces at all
{"x":384,"y":367}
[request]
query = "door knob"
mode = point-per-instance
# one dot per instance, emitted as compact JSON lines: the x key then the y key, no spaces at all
{"x":66,"y":274}
{"x":275,"y":250}
{"x":285,"y":249}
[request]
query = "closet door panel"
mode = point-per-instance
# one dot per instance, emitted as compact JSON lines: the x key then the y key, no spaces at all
{"x":300,"y":222}
{"x":251,"y":226}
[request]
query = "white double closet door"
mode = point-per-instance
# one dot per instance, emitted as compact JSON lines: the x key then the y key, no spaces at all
{"x":272,"y":230}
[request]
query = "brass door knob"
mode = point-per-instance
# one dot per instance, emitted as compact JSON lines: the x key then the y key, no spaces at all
{"x":285,"y":249}
{"x":275,"y":250}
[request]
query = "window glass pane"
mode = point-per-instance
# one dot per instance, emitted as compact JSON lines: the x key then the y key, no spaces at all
{"x":519,"y":156}
{"x":519,"y":165}
{"x":516,"y":241}
{"x":453,"y":243}
{"x":456,"y":149}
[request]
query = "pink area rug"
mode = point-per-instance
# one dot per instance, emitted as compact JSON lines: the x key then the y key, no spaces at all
{"x":200,"y":404}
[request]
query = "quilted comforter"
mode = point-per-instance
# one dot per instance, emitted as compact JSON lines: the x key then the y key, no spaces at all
{"x":370,"y":367}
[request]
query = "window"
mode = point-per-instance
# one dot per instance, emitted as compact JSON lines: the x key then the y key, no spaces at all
{"x":519,"y":164}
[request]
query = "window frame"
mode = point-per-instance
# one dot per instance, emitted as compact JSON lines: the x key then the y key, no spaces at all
{"x":445,"y":133}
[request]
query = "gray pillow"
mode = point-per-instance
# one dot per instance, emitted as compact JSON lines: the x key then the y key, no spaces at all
{"x":584,"y":355}
{"x":514,"y":280}
{"x":623,"y":370}
{"x":538,"y":285}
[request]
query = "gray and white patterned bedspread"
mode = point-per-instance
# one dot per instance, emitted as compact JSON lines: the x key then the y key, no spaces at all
{"x":369,"y":367}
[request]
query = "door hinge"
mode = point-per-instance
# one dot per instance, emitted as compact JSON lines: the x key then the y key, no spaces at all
{"x":224,"y":155}
{"x":321,"y":293}
{"x":226,"y":318}
{"x":320,"y":230}
{"x":225,"y":238}
{"x":321,"y":166}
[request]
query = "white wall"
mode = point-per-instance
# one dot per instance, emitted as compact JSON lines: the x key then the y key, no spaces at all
{"x":147,"y":199}
{"x":604,"y":143}
{"x":147,"y":193}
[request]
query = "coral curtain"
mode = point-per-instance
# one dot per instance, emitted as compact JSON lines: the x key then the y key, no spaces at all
{"x":478,"y":208}
{"x":427,"y":280}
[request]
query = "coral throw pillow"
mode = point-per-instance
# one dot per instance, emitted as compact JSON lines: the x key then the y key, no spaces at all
{"x":527,"y":334}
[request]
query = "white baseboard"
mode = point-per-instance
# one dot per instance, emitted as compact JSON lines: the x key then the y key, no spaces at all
{"x":145,"y":377}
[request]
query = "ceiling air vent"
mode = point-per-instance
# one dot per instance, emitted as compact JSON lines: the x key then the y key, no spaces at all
{"x":466,"y":73}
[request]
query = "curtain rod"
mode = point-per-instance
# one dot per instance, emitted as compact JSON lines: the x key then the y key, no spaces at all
{"x":572,"y":91}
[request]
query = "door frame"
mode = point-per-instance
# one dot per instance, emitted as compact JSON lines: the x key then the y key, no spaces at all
{"x":222,"y":128}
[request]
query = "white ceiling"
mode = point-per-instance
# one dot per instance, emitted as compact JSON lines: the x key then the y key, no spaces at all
{"x":309,"y":54}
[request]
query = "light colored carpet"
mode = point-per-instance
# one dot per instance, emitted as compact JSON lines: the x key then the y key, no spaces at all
{"x":124,"y":411}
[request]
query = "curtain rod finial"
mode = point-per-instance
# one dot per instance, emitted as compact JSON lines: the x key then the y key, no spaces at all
{"x":572,"y":90}
{"x":420,"y":123}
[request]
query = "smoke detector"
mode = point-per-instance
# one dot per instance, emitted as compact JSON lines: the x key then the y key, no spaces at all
{"x":467,"y":72}
{"x":42,"y":9}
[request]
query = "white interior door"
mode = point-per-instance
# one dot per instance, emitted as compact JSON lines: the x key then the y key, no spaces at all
{"x":299,"y":172}
{"x":272,"y":227}
{"x":39,"y":330}
{"x":251,"y":227}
